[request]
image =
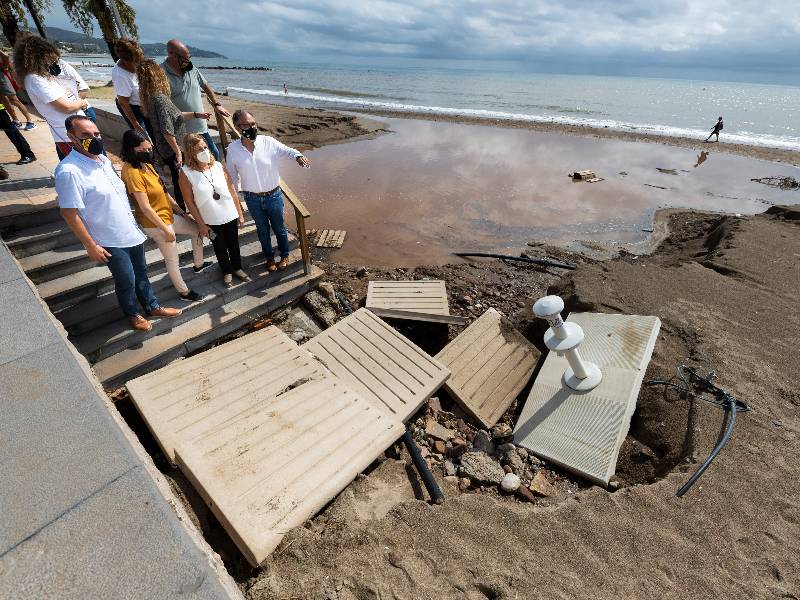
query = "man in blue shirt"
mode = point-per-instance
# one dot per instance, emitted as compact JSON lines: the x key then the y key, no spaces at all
{"x":94,"y":203}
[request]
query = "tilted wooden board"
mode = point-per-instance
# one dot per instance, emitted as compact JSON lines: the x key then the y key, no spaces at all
{"x":327,"y":238}
{"x":378,"y":363}
{"x":205,"y":392}
{"x":273,"y":467}
{"x":426,"y":296}
{"x":583,"y":431}
{"x":490,"y":364}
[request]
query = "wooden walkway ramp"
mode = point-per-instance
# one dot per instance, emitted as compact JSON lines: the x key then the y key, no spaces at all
{"x":583,"y":431}
{"x":265,"y":433}
{"x":383,"y":366}
{"x":491,"y":363}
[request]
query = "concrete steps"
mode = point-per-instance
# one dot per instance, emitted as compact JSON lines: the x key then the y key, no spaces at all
{"x":80,"y":294}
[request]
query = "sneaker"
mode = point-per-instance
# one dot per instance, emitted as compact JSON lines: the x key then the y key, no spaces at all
{"x":284,"y":263}
{"x":163,"y":311}
{"x":25,"y":160}
{"x":190,"y":296}
{"x":271,"y":265}
{"x":242,"y":275}
{"x":227,"y":279}
{"x":139,"y":323}
{"x":30,"y":125}
{"x":202,"y":267}
{"x":17,"y":124}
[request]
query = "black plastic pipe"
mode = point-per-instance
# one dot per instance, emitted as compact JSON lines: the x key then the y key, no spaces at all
{"x":730,"y":404}
{"x":422,"y":467}
{"x":536,"y":261}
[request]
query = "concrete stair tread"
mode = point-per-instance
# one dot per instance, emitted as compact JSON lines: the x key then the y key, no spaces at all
{"x":98,"y":272}
{"x":108,"y":339}
{"x":89,"y":313}
{"x":156,"y":350}
{"x":39,"y":232}
{"x":76,"y":253}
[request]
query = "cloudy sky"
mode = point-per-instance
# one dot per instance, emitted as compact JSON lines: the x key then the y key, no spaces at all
{"x":611,"y":35}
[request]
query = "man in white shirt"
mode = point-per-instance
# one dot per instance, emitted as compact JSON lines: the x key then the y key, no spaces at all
{"x":95,"y":205}
{"x":252,"y":163}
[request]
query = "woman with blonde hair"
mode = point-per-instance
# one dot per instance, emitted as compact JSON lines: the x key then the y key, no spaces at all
{"x":214,"y":204}
{"x":166,"y":119}
{"x":38,"y":66}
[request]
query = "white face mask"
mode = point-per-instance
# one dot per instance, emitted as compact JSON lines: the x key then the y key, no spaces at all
{"x":204,"y":156}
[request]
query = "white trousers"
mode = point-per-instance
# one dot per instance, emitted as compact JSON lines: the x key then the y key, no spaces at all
{"x":169,"y":250}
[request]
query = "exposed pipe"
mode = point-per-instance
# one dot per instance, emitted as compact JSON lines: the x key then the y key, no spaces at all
{"x":535,"y":261}
{"x":422,"y":467}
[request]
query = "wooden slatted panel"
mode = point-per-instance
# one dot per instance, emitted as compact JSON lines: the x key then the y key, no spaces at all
{"x":377,"y":362}
{"x":210,"y":390}
{"x":490,"y":364}
{"x":427,"y":296}
{"x":583,"y":431}
{"x":268,"y":473}
{"x":327,"y":238}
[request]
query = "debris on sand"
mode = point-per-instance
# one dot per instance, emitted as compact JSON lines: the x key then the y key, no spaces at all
{"x":784,"y":183}
{"x":481,"y":468}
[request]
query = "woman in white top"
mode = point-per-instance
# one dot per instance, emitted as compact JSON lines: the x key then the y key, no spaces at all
{"x":214,"y":204}
{"x":38,"y":66}
{"x":126,"y":85}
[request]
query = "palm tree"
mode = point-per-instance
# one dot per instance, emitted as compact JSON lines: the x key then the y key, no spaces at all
{"x":81,"y":13}
{"x":12,"y":12}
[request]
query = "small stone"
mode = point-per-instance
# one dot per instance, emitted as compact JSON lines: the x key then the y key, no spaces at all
{"x":464,"y":483}
{"x":506,"y":448}
{"x":534,"y":460}
{"x":482,"y":442}
{"x":439,"y":447}
{"x":459,"y":446}
{"x":501,"y":431}
{"x":362,"y":272}
{"x":510,"y":483}
{"x":437,"y":431}
{"x":326,"y":287}
{"x":449,"y":468}
{"x":541,"y":486}
{"x":481,"y":468}
{"x":297,"y":336}
{"x":451,"y":479}
{"x":465,"y":300}
{"x":424,"y":452}
{"x":513,"y":460}
{"x":613,"y":485}
{"x":434,"y":404}
{"x":523,"y":453}
{"x":525,"y":494}
{"x":508,"y":469}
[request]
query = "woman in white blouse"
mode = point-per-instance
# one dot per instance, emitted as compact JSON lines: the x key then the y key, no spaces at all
{"x":210,"y":197}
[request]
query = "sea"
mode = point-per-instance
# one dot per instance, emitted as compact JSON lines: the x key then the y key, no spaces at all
{"x":754,"y":113}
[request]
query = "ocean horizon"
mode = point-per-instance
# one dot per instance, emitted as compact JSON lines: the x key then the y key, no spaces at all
{"x":759,"y":114}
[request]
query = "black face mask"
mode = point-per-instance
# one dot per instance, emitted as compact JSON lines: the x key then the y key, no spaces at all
{"x":92,"y":145}
{"x":145,"y":156}
{"x":187,"y":66}
{"x":251,"y":132}
{"x":54,"y":69}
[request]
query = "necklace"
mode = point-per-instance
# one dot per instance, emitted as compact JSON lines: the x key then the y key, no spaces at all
{"x":215,"y":195}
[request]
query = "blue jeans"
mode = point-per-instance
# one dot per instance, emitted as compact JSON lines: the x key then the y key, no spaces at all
{"x":211,"y":145}
{"x":267,"y":211}
{"x":129,"y":270}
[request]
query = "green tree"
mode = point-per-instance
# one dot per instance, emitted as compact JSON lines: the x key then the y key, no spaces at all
{"x":13,"y":12}
{"x":82,"y":13}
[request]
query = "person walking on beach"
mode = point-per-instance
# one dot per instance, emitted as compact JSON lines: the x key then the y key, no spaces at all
{"x":716,"y":130}
{"x":186,"y":81}
{"x":214,"y":204}
{"x":285,"y":89}
{"x":253,"y":162}
{"x":36,"y":62}
{"x":157,"y":213}
{"x":26,"y":155}
{"x":8,"y":95}
{"x":93,"y":202}
{"x":126,"y":85}
{"x":167,"y":121}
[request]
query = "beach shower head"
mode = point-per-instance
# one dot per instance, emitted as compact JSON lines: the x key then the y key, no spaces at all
{"x":564,"y":338}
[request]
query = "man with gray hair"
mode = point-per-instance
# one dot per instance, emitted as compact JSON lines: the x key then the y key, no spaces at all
{"x":252,"y":161}
{"x":186,"y":81}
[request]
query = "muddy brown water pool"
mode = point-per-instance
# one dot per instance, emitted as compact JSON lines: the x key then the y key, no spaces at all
{"x":415,"y":195}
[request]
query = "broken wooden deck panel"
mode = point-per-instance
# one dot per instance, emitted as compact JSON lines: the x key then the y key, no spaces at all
{"x":383,"y":366}
{"x":204,"y":393}
{"x":490,"y":364}
{"x":583,"y":431}
{"x":426,"y":296}
{"x":272,"y":469}
{"x":327,"y":238}
{"x":388,"y":313}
